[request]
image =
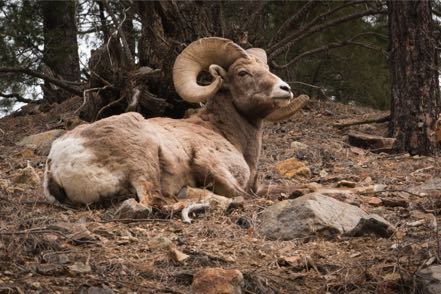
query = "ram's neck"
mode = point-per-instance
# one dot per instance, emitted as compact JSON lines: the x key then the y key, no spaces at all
{"x":244,"y":134}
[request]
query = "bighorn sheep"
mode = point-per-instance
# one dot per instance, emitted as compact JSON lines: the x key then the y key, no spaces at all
{"x":218,"y":147}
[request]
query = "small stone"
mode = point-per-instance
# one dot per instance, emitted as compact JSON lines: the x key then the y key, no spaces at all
{"x":49,"y":269}
{"x":296,"y":145}
{"x":345,"y":183}
{"x":291,"y":168}
{"x":177,"y":255}
{"x":375,"y":201}
{"x":394,"y":202}
{"x":99,"y":290}
{"x":132,"y":209}
{"x":80,"y":268}
{"x":77,"y":233}
{"x":295,"y":261}
{"x":416,"y":223}
{"x":159,"y":242}
{"x":35,"y":285}
{"x":323,"y":173}
{"x":218,"y":280}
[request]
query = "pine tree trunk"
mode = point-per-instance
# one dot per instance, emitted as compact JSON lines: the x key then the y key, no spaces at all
{"x":60,"y":45}
{"x":414,"y":76}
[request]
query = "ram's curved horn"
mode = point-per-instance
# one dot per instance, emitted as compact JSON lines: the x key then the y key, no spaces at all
{"x":288,"y":110}
{"x":198,"y":56}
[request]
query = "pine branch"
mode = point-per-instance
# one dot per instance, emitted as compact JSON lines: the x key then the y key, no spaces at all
{"x":318,"y":19}
{"x":60,"y":83}
{"x":301,"y":13}
{"x":333,"y":45}
{"x":20,"y":98}
{"x":289,"y":41}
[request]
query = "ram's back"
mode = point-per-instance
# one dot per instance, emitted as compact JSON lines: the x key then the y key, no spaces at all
{"x":104,"y":158}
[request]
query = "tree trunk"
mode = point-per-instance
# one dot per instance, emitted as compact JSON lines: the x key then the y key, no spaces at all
{"x":167,"y":28}
{"x":414,"y":76}
{"x":60,"y":46}
{"x":147,"y":87}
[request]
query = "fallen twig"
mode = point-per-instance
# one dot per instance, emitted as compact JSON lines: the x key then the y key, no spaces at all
{"x":135,"y":220}
{"x":375,"y":118}
{"x":193,"y":207}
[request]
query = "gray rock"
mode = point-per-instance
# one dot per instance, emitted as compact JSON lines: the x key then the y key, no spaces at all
{"x":132,"y":209}
{"x":430,"y":186}
{"x":41,"y":142}
{"x":430,"y":279}
{"x":318,"y":215}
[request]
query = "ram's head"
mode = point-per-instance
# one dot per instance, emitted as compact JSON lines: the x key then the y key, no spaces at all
{"x":256,"y":92}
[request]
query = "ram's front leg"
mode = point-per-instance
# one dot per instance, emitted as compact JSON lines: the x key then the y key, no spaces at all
{"x":147,"y":194}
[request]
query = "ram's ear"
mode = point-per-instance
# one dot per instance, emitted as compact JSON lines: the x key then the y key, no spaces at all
{"x":259,"y":53}
{"x":217,"y":71}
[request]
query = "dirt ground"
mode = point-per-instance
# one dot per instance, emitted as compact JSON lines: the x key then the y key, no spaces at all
{"x":55,"y":249}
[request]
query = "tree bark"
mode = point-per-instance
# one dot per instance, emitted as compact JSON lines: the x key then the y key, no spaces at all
{"x":167,"y":28}
{"x":60,"y":46}
{"x":414,"y":76}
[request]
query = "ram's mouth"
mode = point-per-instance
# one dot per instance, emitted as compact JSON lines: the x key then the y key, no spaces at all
{"x":282,"y":98}
{"x":282,"y":101}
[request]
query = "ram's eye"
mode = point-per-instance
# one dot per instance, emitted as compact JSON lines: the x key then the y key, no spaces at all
{"x":242,"y":73}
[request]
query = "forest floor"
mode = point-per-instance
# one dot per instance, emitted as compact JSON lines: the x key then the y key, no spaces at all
{"x":47,"y":248}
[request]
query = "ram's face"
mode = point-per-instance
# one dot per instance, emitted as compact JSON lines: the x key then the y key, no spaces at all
{"x":256,"y":91}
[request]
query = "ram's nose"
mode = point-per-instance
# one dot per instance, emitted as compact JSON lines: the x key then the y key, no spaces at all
{"x":285,"y":87}
{"x":282,"y":91}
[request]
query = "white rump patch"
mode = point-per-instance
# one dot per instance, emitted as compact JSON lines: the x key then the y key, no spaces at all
{"x":74,"y":168}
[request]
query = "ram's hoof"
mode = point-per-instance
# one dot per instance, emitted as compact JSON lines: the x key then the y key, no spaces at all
{"x":132,"y":209}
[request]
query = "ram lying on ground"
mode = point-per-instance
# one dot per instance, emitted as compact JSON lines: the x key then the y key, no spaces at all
{"x":217,"y":148}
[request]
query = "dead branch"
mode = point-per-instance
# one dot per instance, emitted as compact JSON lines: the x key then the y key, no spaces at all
{"x":300,"y":14}
{"x":311,"y":28}
{"x":98,"y":115}
{"x":60,"y":83}
{"x":86,"y":96}
{"x":252,"y":20}
{"x":20,"y":98}
{"x":311,"y":86}
{"x":120,"y":32}
{"x":376,"y":118}
{"x":134,"y":100}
